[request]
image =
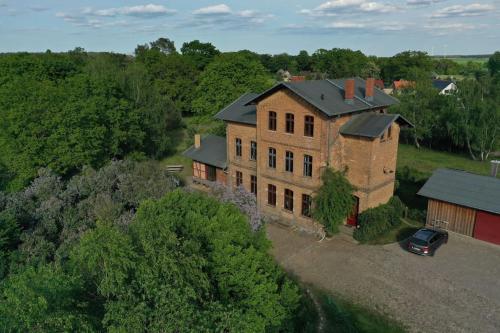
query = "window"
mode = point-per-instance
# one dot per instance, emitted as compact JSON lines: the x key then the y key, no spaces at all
{"x":289,"y":200}
{"x":238,"y":147}
{"x":272,"y":120}
{"x":253,"y":184}
{"x":289,"y":125}
{"x":309,"y":126}
{"x":253,"y":150}
{"x":308,"y":166}
{"x":306,"y":205}
{"x":272,"y":158}
{"x":211,"y":173}
{"x":271,"y":195}
{"x":239,"y":178}
{"x":289,"y":161}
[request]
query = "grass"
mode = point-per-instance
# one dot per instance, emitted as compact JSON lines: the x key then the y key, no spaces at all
{"x":464,"y":60}
{"x":184,"y":138}
{"x":342,"y":315}
{"x":403,"y":231}
{"x":426,"y":160}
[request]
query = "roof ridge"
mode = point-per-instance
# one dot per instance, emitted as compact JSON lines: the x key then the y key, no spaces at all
{"x":361,"y":99}
{"x":232,"y":103}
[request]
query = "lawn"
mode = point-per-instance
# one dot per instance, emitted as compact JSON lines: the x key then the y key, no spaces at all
{"x":184,"y":138}
{"x":419,"y":165}
{"x":342,"y":315}
{"x":426,"y":160}
{"x":403,"y":231}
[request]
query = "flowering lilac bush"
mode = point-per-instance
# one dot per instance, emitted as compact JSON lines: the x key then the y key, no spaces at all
{"x":54,"y":213}
{"x":244,"y":200}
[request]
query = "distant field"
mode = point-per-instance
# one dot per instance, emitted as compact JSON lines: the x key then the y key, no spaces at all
{"x":465,"y":59}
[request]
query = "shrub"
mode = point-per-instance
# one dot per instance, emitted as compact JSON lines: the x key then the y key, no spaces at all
{"x":334,"y":201}
{"x":376,"y":221}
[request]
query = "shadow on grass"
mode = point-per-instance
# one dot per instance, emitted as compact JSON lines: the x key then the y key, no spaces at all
{"x":403,"y":235}
{"x":320,"y":311}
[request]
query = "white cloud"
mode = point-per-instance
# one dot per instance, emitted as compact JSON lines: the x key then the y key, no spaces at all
{"x":221,"y":9}
{"x":149,"y":10}
{"x":474,"y":9}
{"x":223,"y":16}
{"x":346,"y":25}
{"x":422,"y":2}
{"x":336,"y":7}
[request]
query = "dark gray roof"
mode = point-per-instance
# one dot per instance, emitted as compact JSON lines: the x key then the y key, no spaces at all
{"x":441,"y":84}
{"x":464,"y":188}
{"x":328,"y":96}
{"x":371,"y":124}
{"x":239,"y":112}
{"x":212,"y":151}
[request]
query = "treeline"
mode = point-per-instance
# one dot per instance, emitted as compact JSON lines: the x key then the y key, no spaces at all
{"x":466,"y":120}
{"x":67,"y":110}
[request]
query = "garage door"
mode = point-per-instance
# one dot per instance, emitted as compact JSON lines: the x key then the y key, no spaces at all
{"x":487,"y":227}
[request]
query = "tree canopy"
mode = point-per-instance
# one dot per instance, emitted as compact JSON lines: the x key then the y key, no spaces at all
{"x":67,"y":111}
{"x":228,"y":77}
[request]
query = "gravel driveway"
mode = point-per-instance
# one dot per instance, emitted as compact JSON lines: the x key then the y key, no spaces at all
{"x":457,"y":290}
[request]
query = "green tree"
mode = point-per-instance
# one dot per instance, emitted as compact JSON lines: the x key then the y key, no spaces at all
{"x":338,"y":63}
{"x":45,"y":299}
{"x":408,"y":65}
{"x":227,"y":78}
{"x":303,"y":61}
{"x":418,"y":106}
{"x":476,"y":120}
{"x":494,"y":63}
{"x":187,"y":263}
{"x":334,"y":201}
{"x":200,"y":53}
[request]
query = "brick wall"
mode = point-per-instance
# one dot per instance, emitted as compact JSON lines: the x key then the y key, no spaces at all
{"x":243,"y":164}
{"x":370,"y":163}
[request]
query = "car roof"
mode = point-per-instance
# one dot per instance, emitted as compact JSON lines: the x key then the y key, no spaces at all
{"x":425,"y":234}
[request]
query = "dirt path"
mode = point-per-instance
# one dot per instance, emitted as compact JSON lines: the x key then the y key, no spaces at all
{"x":319,"y":309}
{"x":458,"y":290}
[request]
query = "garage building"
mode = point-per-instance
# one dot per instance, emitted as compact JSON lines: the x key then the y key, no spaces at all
{"x":465,"y":203}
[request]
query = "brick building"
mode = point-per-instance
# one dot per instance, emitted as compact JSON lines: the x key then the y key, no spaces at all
{"x":278,"y":142}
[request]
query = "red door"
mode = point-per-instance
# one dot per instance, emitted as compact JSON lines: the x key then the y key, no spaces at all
{"x":352,"y":220}
{"x":487,"y":227}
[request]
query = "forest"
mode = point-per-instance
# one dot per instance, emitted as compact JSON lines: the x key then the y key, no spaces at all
{"x":96,"y":236}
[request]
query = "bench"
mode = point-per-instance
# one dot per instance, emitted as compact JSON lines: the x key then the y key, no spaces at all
{"x":174,"y":168}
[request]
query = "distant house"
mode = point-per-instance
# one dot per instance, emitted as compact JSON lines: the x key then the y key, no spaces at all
{"x":297,"y":78}
{"x":465,"y":203}
{"x":445,"y":87}
{"x":402,"y":84}
{"x":279,"y":142}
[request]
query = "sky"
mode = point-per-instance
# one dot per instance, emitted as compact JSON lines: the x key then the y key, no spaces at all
{"x":376,"y":27}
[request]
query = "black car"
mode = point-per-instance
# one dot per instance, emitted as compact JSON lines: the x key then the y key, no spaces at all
{"x":426,"y":241}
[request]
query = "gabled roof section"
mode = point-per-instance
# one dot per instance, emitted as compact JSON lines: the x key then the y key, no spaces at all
{"x":371,"y":125}
{"x":212,"y":151}
{"x":441,"y":84}
{"x":239,"y":111}
{"x":328,"y":96}
{"x":464,"y":189}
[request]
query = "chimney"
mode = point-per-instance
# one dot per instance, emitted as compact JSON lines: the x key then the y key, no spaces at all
{"x":370,"y":85}
{"x":349,"y":91}
{"x":495,"y":168}
{"x":197,"y":141}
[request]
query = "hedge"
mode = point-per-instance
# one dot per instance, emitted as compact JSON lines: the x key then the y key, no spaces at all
{"x":374,"y":222}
